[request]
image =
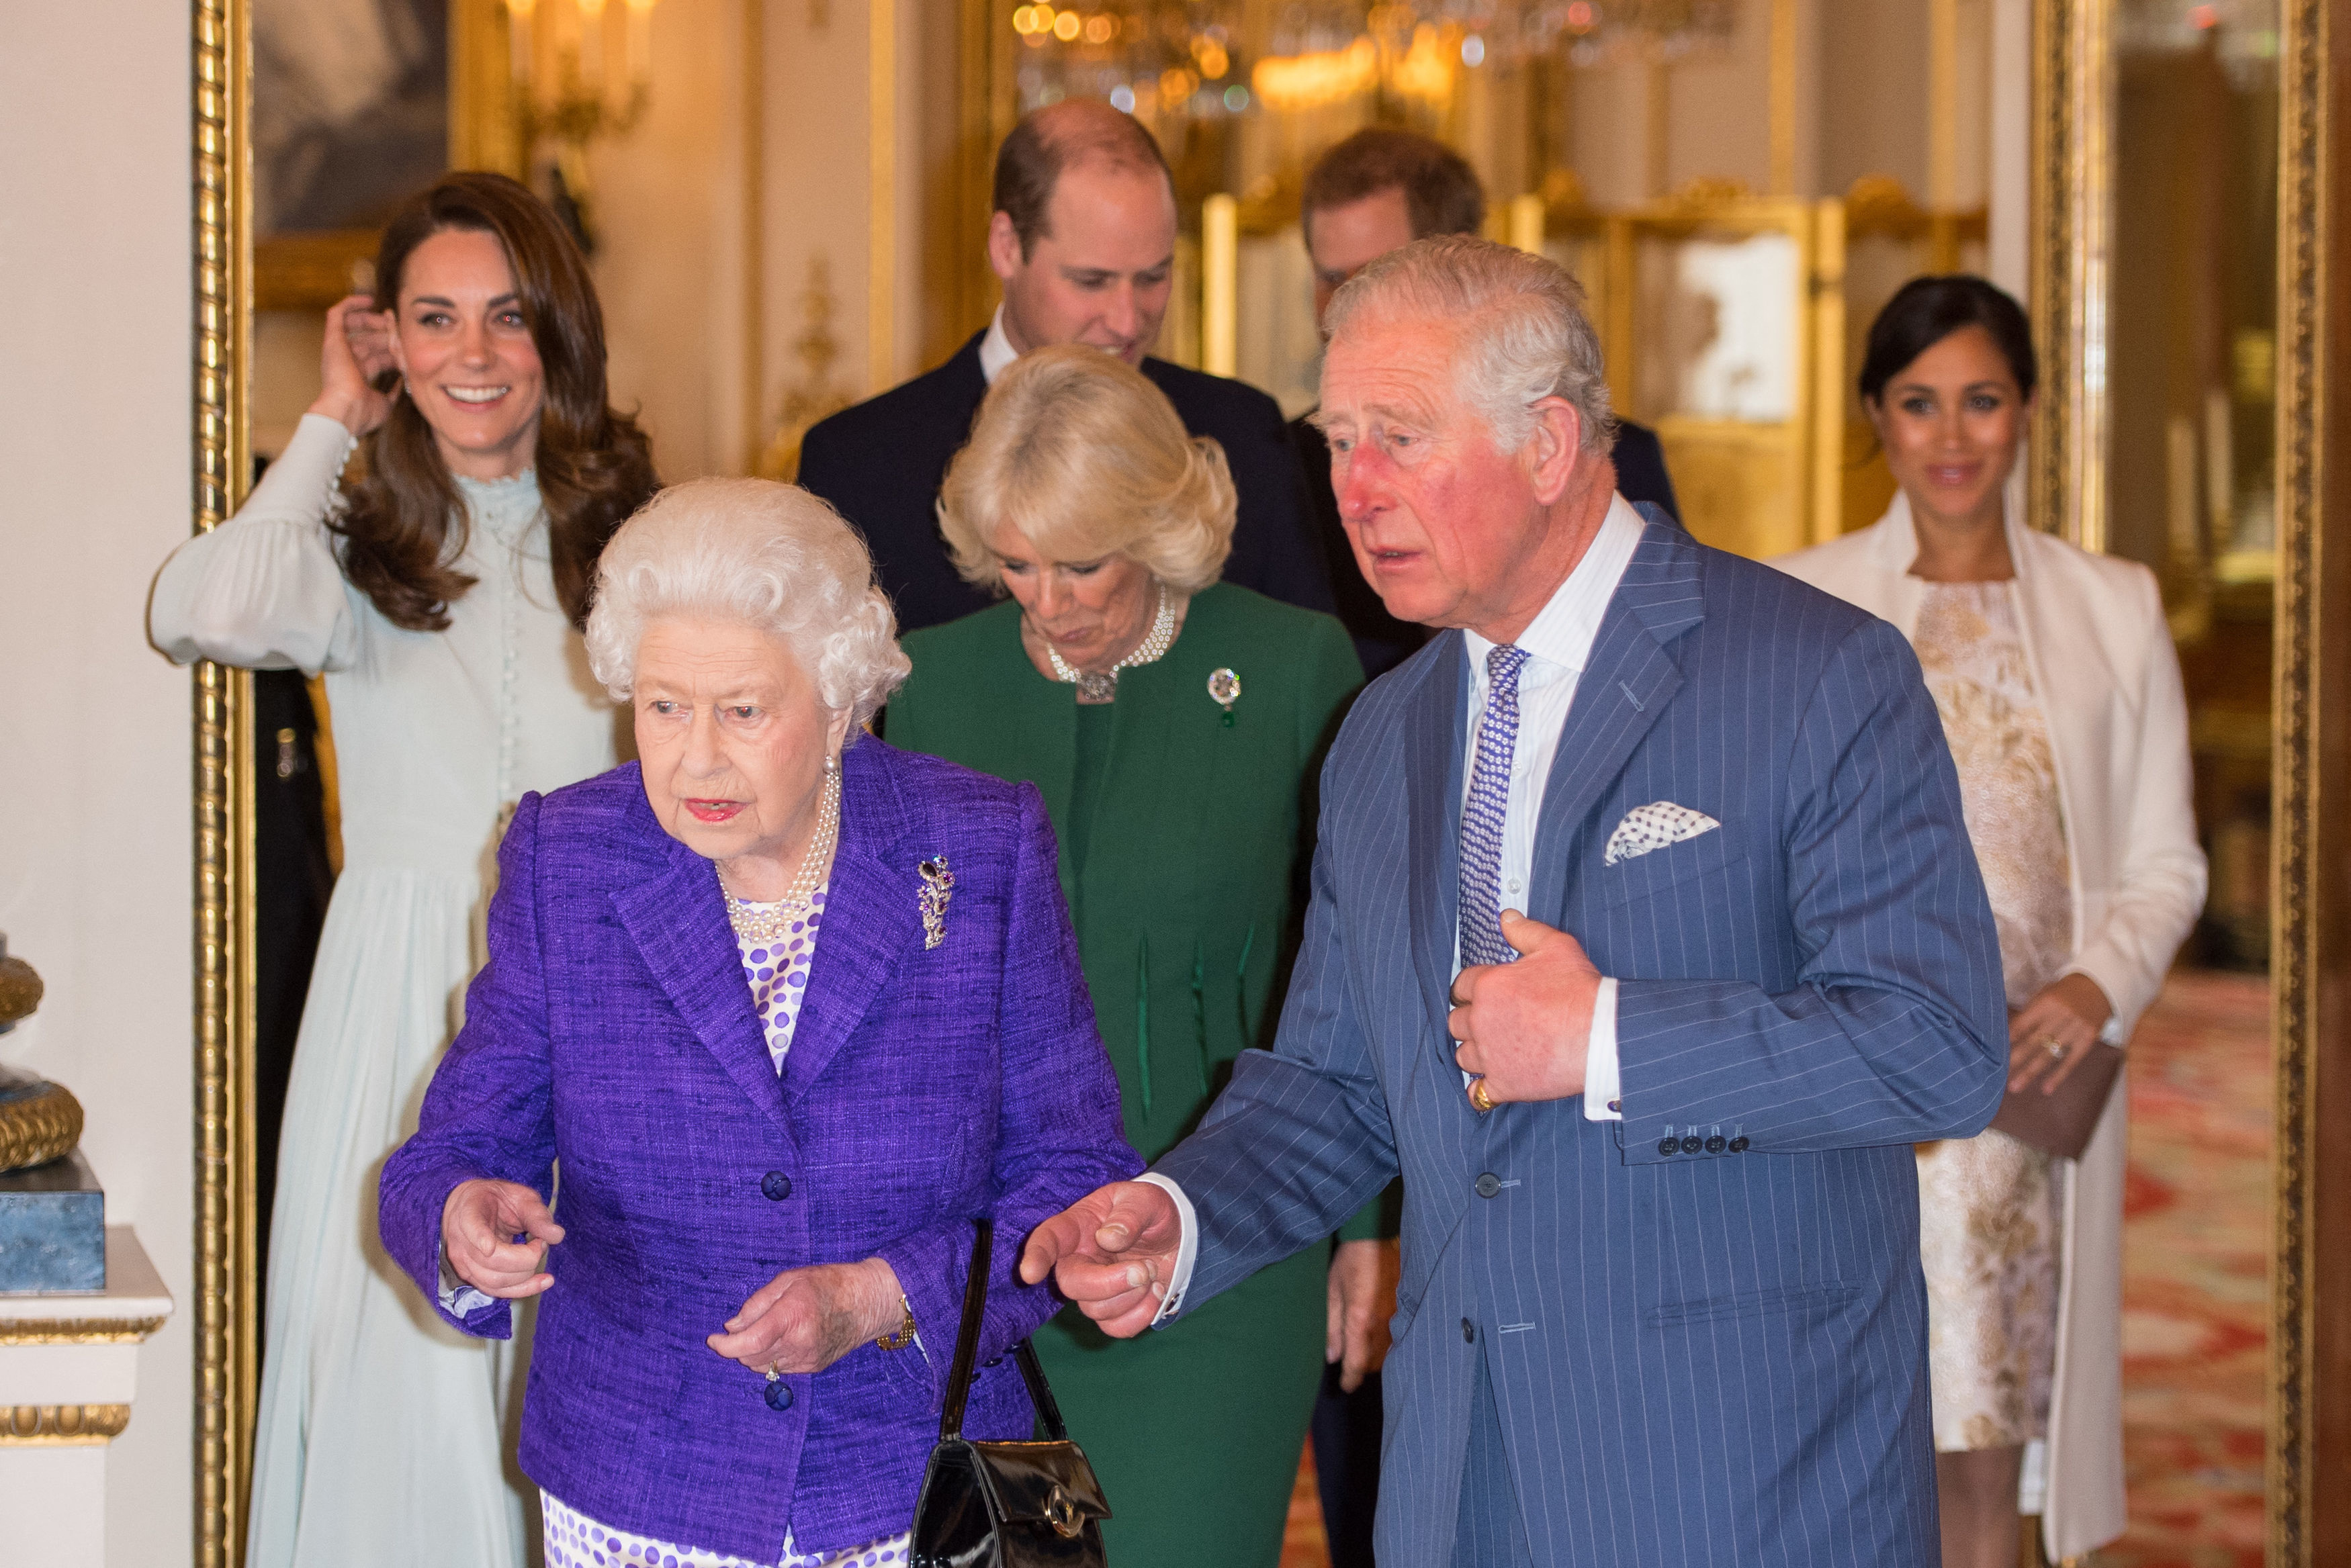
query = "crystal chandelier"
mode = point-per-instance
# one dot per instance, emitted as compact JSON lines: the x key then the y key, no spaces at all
{"x":1188,"y":59}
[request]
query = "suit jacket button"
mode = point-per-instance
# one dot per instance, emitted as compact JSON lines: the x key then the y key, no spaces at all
{"x":1468,"y":1332}
{"x":1668,"y":1146}
{"x":1716,"y":1144}
{"x":779,"y":1395}
{"x":1692,"y":1144}
{"x":1489,"y":1184}
{"x":1739,"y":1145}
{"x":776,"y":1185}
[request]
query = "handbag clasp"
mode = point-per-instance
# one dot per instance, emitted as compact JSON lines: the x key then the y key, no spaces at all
{"x":1063,"y":1515}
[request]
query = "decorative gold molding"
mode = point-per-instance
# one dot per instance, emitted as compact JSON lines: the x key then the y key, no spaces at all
{"x":2072,"y":228}
{"x":226,"y":1340}
{"x":2299,"y":693}
{"x":78,"y":1330}
{"x":61,"y":1426}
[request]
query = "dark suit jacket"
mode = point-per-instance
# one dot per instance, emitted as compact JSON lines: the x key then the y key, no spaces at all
{"x":1382,"y":641}
{"x":881,"y":464}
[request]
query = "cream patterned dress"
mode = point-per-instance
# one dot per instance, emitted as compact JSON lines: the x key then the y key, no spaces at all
{"x":1988,"y":1218}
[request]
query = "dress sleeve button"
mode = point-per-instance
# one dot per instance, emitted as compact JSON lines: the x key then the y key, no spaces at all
{"x":1669,"y":1145}
{"x":1739,"y":1145}
{"x":1692,"y":1144}
{"x":1716,"y":1144}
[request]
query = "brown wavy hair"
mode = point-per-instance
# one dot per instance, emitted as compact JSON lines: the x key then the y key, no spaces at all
{"x":403,"y":521}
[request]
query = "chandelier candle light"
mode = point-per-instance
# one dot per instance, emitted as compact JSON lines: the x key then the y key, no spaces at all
{"x":566,"y":86}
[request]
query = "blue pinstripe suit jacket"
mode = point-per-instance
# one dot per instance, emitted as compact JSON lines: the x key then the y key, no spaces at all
{"x":1704,"y":1326}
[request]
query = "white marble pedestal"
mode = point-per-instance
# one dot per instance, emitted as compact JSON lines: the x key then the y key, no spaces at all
{"x":68,"y":1370}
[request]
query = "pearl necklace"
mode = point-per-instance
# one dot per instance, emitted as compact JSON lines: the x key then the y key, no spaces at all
{"x":767,"y":922}
{"x":1102,"y":685}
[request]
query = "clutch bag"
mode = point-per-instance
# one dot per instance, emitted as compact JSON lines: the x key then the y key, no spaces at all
{"x":2062,"y":1123}
{"x":1012,"y":1504}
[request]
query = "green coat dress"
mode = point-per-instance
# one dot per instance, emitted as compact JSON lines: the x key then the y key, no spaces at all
{"x":1183,"y":830}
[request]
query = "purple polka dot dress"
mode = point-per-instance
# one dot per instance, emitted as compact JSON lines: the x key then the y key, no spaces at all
{"x":778,"y":973}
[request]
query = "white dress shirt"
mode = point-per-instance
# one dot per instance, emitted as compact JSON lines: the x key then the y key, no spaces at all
{"x":1558,"y":643}
{"x":996,"y":350}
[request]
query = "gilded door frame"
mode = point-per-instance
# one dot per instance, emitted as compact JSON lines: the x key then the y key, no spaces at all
{"x":2073,"y":236}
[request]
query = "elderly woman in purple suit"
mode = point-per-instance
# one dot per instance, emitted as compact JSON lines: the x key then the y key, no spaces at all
{"x":790,"y":1009}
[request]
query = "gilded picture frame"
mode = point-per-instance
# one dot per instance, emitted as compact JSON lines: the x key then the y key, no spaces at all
{"x":2074,"y":112}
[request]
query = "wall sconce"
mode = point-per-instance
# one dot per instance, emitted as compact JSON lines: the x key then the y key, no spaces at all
{"x":578,"y":74}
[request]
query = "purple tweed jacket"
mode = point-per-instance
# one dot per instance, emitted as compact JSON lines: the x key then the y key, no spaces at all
{"x":613,"y":1029}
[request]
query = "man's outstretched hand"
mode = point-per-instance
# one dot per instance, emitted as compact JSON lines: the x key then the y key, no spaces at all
{"x":1113,"y":1252}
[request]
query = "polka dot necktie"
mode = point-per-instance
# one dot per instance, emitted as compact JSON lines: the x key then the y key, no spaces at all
{"x":1489,"y":803}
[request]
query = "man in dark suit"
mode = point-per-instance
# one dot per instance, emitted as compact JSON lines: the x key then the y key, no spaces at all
{"x":1083,"y":237}
{"x":1375,"y":192}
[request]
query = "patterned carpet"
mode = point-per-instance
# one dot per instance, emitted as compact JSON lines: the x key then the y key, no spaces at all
{"x":2195,"y":1294}
{"x":2195,"y":1276}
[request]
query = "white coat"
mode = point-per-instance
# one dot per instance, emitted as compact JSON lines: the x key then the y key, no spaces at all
{"x":2101,"y":658}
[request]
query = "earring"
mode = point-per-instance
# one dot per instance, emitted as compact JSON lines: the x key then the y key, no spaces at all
{"x":832,"y":762}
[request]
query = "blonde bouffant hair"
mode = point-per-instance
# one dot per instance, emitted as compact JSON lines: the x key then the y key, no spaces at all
{"x":1081,"y":454}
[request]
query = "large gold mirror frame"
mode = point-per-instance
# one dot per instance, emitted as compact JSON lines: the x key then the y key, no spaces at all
{"x":2309,"y":1430}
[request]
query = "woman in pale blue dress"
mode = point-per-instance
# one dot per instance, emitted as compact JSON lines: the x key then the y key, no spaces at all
{"x":440,"y":593}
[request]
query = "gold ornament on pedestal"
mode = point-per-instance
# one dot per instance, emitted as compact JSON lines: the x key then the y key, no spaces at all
{"x":39,"y":1121}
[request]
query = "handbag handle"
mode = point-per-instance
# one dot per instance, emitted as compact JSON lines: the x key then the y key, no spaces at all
{"x":966,"y":1353}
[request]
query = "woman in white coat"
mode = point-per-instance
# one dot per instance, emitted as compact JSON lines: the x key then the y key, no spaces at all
{"x":440,"y":589}
{"x":2060,"y":693}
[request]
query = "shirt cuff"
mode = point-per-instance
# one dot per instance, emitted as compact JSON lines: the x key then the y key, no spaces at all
{"x":458,"y":1299}
{"x":1603,"y":1080}
{"x":1186,"y":1251}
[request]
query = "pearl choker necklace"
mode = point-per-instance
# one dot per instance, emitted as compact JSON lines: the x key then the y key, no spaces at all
{"x":771,"y":922}
{"x":1102,"y":685}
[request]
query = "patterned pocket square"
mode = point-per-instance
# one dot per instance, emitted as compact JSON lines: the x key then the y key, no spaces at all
{"x":1653,"y":826}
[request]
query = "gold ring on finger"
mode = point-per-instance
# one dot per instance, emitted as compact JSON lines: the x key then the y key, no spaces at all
{"x":1480,"y":1100}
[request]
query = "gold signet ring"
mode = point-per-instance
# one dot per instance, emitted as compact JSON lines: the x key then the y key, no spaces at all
{"x":1480,"y":1100}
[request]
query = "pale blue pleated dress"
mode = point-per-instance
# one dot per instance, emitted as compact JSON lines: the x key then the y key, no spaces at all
{"x":384,"y":1437}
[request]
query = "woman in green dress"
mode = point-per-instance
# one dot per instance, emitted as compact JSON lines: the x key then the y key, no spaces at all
{"x":1174,"y":726}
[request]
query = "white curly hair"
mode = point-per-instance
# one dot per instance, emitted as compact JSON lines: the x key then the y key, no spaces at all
{"x":754,"y":551}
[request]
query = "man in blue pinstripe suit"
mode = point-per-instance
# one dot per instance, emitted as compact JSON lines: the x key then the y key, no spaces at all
{"x":1661,"y":1300}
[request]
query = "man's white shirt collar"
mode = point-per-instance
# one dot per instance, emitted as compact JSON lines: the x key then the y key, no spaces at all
{"x":1564,"y":629}
{"x":996,"y":350}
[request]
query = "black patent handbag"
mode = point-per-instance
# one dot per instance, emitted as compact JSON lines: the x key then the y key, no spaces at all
{"x":1005,"y":1505}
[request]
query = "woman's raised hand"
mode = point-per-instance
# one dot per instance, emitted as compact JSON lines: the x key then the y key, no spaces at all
{"x":479,"y":1222}
{"x":804,"y":1319}
{"x":358,"y":349}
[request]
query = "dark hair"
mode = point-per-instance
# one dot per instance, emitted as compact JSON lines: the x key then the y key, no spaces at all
{"x":1925,"y":310}
{"x":1441,"y":193}
{"x":1051,"y":139}
{"x":403,"y":521}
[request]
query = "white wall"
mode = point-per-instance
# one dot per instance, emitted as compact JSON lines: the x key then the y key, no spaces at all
{"x":94,"y":749}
